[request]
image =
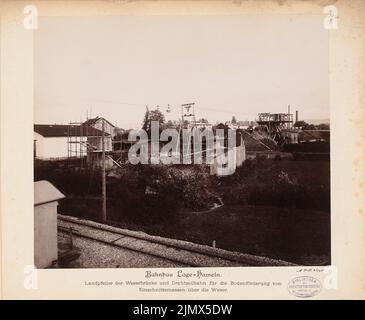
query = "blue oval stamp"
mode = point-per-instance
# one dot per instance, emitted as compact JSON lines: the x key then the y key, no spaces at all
{"x":304,"y":287}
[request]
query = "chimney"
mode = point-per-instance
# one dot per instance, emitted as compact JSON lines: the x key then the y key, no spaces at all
{"x":296,"y":116}
{"x":289,"y":109}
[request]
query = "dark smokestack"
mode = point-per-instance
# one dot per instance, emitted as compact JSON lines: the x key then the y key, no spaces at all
{"x":296,"y":116}
{"x":289,"y":109}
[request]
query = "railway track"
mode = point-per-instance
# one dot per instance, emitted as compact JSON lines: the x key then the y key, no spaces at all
{"x":77,"y":233}
{"x":182,"y":252}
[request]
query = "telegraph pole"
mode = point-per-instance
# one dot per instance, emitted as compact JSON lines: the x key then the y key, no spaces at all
{"x":187,"y":106}
{"x":103,"y":182}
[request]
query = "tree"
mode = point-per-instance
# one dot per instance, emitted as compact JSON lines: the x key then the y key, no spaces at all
{"x":203,"y":120}
{"x":171,"y":124}
{"x":152,"y":115}
{"x":310,"y":127}
{"x":157,"y":115}
{"x":233,"y":121}
{"x":185,"y":124}
{"x":146,"y":120}
{"x":301,"y":124}
{"x":323,"y":126}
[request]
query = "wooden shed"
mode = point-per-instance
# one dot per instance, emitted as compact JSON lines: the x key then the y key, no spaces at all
{"x":46,"y":198}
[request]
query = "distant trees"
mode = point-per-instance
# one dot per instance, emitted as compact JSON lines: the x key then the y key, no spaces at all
{"x":301,"y":124}
{"x":323,"y":126}
{"x":305,"y":126}
{"x":171,"y":124}
{"x":310,"y":127}
{"x":203,"y":120}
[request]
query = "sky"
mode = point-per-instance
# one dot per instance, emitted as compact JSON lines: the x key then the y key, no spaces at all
{"x":227,"y":65}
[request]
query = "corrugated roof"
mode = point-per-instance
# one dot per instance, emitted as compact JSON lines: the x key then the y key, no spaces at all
{"x":64,"y":130}
{"x":44,"y":192}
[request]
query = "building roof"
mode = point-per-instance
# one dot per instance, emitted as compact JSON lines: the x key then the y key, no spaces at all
{"x":252,"y":144}
{"x":92,"y":121}
{"x":314,"y":135}
{"x":45,"y":192}
{"x":64,"y":130}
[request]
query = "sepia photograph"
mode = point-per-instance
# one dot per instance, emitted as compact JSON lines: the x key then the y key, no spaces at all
{"x":182,"y":150}
{"x":181,"y":141}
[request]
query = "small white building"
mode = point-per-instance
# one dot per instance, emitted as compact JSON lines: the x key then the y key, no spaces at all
{"x":46,"y":198}
{"x":51,"y":140}
{"x":59,"y":141}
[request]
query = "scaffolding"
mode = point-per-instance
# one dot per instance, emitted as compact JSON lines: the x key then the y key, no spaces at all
{"x":76,"y":138}
{"x":87,"y":142}
{"x":275,"y":123}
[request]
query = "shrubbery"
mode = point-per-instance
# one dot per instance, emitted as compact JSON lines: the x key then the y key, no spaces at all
{"x":286,"y":192}
{"x":159,"y":192}
{"x":140,"y":193}
{"x":188,"y":185}
{"x":70,"y":181}
{"x":146,"y":194}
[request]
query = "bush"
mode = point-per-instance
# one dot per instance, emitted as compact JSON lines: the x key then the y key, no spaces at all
{"x":245,"y":169}
{"x":188,"y":186}
{"x":71,"y":181}
{"x":172,"y":188}
{"x":235,"y":196}
{"x":154,"y":193}
{"x":285,"y":192}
